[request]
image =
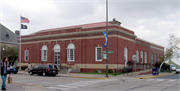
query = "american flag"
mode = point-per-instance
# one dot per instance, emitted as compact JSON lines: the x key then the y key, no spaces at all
{"x":24,"y":20}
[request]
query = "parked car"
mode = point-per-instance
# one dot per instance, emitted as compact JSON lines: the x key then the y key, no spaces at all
{"x":44,"y":70}
{"x":173,"y":67}
{"x":13,"y":70}
{"x":178,"y":69}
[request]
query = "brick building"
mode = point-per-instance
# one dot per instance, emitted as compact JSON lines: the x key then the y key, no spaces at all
{"x":82,"y":45}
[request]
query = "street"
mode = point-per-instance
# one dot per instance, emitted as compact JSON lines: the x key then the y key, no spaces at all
{"x":62,"y":83}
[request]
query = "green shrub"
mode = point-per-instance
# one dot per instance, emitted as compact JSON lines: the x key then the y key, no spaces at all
{"x":23,"y":67}
{"x":110,"y":71}
{"x":95,"y":71}
{"x":17,"y":67}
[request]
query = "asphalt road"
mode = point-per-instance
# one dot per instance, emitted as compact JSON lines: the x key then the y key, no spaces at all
{"x":60,"y":83}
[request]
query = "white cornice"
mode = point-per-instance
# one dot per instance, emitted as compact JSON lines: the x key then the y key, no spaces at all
{"x":77,"y":33}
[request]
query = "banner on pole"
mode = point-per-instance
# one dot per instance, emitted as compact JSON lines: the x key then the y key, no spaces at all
{"x":105,"y":43}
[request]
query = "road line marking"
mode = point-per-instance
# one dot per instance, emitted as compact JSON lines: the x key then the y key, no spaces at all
{"x":66,"y":86}
{"x":171,"y":80}
{"x":150,"y":79}
{"x":160,"y":80}
{"x":57,"y":88}
{"x":78,"y":84}
{"x":46,"y":79}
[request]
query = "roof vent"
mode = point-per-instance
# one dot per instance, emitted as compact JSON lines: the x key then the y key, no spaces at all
{"x":114,"y":19}
{"x":115,"y":22}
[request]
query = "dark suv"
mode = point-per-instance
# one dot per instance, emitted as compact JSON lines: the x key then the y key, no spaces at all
{"x":44,"y":70}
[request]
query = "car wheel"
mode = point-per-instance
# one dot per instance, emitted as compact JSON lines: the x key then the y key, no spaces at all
{"x":44,"y":74}
{"x":15,"y":72}
{"x":53,"y":75}
{"x":31,"y":73}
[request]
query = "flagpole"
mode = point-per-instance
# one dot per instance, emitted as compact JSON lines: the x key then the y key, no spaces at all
{"x":107,"y":38}
{"x":20,"y":45}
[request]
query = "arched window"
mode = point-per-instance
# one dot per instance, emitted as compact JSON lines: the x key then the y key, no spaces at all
{"x":57,"y":48}
{"x":70,"y":52}
{"x":44,"y":53}
{"x":137,"y":54}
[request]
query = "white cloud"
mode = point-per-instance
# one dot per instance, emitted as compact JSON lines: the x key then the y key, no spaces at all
{"x":151,"y":20}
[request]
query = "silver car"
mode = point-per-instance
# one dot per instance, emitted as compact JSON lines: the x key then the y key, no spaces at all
{"x":178,"y":69}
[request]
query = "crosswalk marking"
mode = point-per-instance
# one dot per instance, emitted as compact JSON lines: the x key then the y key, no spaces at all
{"x":66,"y":86}
{"x":171,"y":80}
{"x":78,"y":84}
{"x":149,"y":79}
{"x":159,"y":80}
{"x":57,"y":88}
{"x":74,"y":85}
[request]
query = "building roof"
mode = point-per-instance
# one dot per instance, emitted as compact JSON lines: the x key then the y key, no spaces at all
{"x":7,"y":36}
{"x":91,"y":25}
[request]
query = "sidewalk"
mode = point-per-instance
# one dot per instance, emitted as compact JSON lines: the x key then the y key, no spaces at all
{"x":98,"y":76}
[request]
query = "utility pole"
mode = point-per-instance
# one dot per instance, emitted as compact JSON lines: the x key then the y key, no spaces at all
{"x":107,"y":38}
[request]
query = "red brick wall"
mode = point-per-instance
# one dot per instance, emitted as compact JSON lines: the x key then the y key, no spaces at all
{"x":85,"y":48}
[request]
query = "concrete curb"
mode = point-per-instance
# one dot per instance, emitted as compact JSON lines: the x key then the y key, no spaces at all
{"x":87,"y":77}
{"x":154,"y":76}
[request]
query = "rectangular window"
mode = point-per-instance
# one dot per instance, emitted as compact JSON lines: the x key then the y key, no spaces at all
{"x":125,"y":54}
{"x":26,"y":54}
{"x":70,"y":54}
{"x":137,"y":54}
{"x":141,"y":57}
{"x":44,"y":55}
{"x":145,"y":57}
{"x":98,"y":53}
{"x":152,"y":58}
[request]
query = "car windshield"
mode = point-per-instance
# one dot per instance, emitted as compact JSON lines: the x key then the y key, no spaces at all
{"x":172,"y":66}
{"x":51,"y":66}
{"x":178,"y":67}
{"x":11,"y":67}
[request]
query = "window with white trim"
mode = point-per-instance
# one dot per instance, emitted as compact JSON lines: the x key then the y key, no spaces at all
{"x":125,"y":54}
{"x":70,"y":52}
{"x":26,"y":55}
{"x":152,"y":58}
{"x":44,"y":53}
{"x":145,"y":57}
{"x":98,"y":53}
{"x":137,"y":54}
{"x":141,"y":57}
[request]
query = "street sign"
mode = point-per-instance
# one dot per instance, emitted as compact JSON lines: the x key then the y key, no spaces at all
{"x":108,"y":52}
{"x":134,"y":57}
{"x":104,"y":56}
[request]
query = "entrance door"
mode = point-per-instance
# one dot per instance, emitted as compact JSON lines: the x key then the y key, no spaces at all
{"x":57,"y":58}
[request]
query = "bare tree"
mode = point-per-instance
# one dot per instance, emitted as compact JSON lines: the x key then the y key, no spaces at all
{"x":172,"y":49}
